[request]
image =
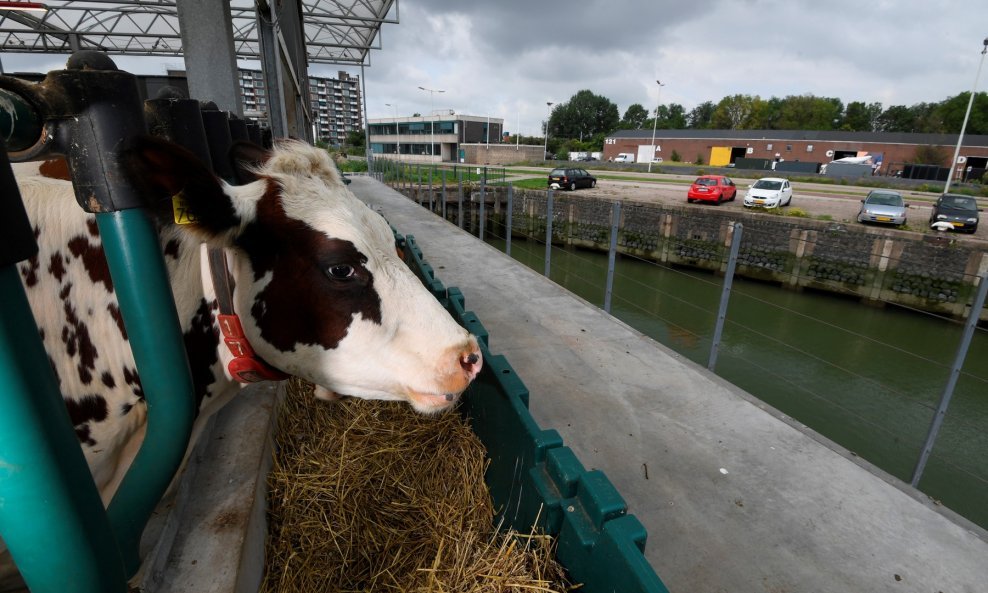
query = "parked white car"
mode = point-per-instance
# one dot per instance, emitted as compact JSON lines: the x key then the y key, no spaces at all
{"x":769,"y":192}
{"x":625,"y":157}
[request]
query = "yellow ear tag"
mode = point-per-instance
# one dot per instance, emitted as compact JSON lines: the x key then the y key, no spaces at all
{"x":180,"y":209}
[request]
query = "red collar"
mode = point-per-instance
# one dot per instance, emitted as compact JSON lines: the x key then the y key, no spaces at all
{"x":246,"y":366}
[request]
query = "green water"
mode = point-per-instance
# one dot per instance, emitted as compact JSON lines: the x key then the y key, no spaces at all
{"x":867,"y":378}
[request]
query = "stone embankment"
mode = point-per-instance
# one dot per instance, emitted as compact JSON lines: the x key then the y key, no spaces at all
{"x":936,"y":273}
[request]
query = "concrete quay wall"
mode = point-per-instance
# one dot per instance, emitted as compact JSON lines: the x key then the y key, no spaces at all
{"x":935,"y":273}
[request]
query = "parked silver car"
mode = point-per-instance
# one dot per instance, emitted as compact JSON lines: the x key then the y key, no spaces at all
{"x":884,"y":207}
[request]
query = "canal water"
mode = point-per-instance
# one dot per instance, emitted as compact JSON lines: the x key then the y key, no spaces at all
{"x":865,"y":377}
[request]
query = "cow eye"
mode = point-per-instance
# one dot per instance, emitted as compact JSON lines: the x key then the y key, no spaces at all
{"x":341,"y":272}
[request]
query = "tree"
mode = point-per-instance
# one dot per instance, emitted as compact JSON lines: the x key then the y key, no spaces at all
{"x":670,"y":117}
{"x":634,"y":117}
{"x":896,"y":118}
{"x":951,"y":113}
{"x":584,"y":115}
{"x":355,"y":140}
{"x":931,"y":155}
{"x":807,"y":112}
{"x":732,"y":113}
{"x":699,"y":117}
{"x":862,"y":117}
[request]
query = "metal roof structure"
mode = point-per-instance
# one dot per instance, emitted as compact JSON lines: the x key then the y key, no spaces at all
{"x":336,"y":31}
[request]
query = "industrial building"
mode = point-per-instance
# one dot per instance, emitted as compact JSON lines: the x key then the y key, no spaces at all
{"x":892,"y":153}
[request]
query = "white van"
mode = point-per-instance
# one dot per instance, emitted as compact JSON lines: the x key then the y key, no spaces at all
{"x":625,"y":157}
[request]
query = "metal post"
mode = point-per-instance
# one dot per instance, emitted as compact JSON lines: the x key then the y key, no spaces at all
{"x":444,"y":194}
{"x":955,"y":371}
{"x":459,"y":199}
{"x":51,"y":515}
{"x":548,"y":232}
{"x":725,"y":294}
{"x":612,"y":255}
{"x":508,"y":225}
{"x":483,"y":203}
{"x":418,"y":185}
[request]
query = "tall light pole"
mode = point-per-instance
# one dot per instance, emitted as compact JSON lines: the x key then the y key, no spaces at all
{"x":655,"y":122}
{"x":545,"y":150}
{"x":960,"y":138}
{"x":432,"y":123}
{"x":397,"y":136}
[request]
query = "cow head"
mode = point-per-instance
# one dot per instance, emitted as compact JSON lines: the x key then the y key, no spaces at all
{"x":319,"y":286}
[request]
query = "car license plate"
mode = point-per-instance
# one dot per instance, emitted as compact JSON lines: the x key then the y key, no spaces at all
{"x":759,"y":201}
{"x":957,"y":224}
{"x":702,"y":190}
{"x":883,"y":219}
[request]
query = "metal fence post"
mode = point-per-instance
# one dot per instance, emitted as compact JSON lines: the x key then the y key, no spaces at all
{"x":725,"y":294}
{"x":444,"y":194}
{"x":432,"y":207}
{"x":612,"y":255}
{"x":508,"y":225}
{"x":418,"y":185}
{"x":955,"y":371}
{"x":483,"y":203}
{"x":459,"y":199}
{"x":548,"y":232}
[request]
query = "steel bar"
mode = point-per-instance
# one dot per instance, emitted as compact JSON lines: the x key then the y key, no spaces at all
{"x":725,"y":295}
{"x":612,"y":255}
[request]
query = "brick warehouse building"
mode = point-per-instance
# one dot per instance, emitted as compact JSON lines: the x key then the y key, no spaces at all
{"x":893,"y":152}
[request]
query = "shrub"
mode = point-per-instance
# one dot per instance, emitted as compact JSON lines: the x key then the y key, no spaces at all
{"x":798,"y":213}
{"x":699,"y":159}
{"x":674,"y":157}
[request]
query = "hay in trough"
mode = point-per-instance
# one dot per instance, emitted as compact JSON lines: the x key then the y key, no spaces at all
{"x":371,"y":496}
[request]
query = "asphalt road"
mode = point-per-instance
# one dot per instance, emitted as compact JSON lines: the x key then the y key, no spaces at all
{"x":840,"y":202}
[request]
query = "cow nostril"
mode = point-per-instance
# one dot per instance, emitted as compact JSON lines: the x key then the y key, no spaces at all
{"x":470,"y":362}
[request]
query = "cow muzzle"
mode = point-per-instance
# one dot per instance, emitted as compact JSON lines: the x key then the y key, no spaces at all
{"x":460,"y":367}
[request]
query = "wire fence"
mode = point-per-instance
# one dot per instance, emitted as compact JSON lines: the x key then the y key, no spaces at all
{"x":875,"y":377}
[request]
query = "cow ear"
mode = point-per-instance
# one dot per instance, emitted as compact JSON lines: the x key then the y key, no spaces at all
{"x":179,"y":185}
{"x":247,"y":158}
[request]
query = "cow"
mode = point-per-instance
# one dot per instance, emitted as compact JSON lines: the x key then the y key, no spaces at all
{"x":316,"y":279}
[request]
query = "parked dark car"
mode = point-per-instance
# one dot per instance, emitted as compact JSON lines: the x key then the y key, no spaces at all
{"x":571,"y":179}
{"x":955,"y":212}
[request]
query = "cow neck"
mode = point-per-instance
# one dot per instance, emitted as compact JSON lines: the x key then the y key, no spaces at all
{"x":246,"y":366}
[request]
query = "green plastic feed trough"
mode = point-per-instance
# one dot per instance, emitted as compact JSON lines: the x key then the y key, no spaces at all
{"x":534,"y":479}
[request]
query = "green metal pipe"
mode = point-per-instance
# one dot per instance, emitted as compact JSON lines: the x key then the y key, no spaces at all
{"x":51,"y":515}
{"x":145,"y":296}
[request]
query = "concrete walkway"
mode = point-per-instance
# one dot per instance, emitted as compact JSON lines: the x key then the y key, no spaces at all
{"x":735,"y":497}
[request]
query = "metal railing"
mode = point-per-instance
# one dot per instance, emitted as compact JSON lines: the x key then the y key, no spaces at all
{"x":534,"y":239}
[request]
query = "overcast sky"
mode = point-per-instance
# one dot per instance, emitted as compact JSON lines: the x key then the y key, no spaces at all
{"x":506,"y":58}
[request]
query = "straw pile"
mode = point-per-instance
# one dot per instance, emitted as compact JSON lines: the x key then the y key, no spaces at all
{"x":370,"y":496}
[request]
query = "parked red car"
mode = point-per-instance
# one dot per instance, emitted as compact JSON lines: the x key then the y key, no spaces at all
{"x":712,"y":188}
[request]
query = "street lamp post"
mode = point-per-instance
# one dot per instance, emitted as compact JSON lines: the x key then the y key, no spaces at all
{"x":397,"y":137}
{"x":545,"y":150}
{"x":960,"y":138}
{"x":655,"y":121}
{"x":432,"y":123}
